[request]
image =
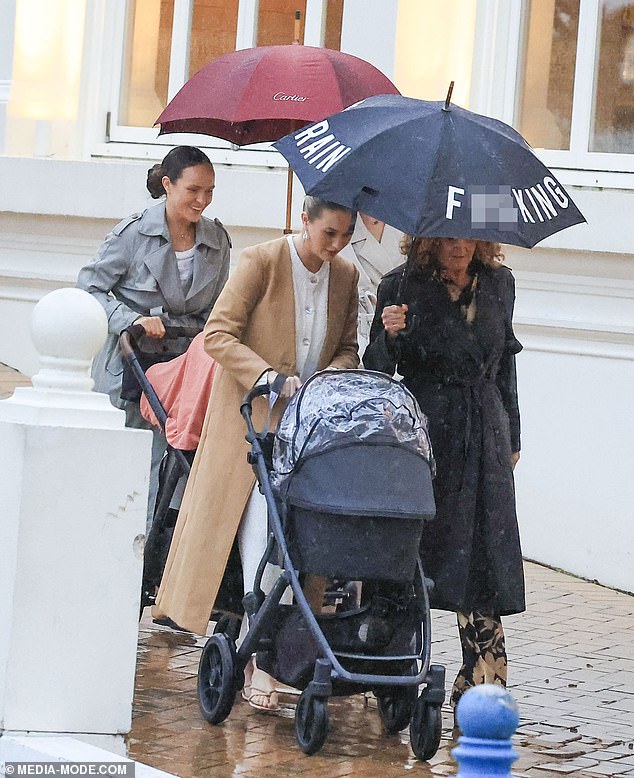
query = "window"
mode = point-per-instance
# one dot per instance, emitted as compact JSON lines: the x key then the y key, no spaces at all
{"x":576,"y":99}
{"x":167,"y":41}
{"x":612,"y":127}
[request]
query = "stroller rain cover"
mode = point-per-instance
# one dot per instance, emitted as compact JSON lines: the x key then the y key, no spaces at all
{"x":364,"y":412}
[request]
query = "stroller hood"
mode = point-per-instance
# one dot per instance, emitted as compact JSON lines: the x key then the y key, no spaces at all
{"x":349,"y":409}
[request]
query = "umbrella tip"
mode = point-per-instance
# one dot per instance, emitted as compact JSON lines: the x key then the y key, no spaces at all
{"x":448,"y":98}
{"x":298,"y":16}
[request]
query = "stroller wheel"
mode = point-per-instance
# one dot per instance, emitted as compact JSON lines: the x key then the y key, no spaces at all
{"x":425,"y":729}
{"x":217,"y":686}
{"x":396,"y":707}
{"x":311,"y":723}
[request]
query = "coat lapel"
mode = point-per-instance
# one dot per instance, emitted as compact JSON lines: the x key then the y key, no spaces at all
{"x":162,"y":265}
{"x":204,"y":273}
{"x":202,"y":276}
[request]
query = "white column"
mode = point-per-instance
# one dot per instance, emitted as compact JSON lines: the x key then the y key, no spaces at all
{"x":73,"y":493}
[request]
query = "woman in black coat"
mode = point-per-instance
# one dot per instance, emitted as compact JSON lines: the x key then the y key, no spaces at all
{"x":457,"y":356}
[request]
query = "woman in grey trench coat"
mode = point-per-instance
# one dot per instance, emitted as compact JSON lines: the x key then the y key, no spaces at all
{"x":458,"y":359}
{"x":162,"y":267}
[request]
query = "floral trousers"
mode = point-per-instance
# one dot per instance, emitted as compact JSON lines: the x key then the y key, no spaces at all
{"x":483,"y":653}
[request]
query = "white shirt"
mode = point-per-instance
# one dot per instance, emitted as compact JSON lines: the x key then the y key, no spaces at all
{"x":185,"y":262}
{"x":311,"y":312}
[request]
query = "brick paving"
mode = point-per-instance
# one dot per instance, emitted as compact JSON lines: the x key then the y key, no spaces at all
{"x":9,"y":379}
{"x":571,"y":672}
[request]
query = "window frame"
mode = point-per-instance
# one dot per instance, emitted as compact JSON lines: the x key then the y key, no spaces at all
{"x":123,"y":140}
{"x":615,"y":169}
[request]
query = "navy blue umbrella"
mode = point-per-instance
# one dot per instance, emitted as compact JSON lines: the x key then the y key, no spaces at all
{"x":431,"y":169}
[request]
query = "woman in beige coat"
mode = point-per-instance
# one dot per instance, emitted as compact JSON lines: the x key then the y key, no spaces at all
{"x":289,"y":307}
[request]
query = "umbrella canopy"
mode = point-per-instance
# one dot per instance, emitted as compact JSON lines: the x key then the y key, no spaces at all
{"x":431,"y":169}
{"x":259,"y":94}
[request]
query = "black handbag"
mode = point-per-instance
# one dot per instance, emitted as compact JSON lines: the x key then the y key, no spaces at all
{"x":130,"y":387}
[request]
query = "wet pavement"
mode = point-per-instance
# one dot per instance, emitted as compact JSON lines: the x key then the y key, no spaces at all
{"x":571,"y":672}
{"x":9,"y":380}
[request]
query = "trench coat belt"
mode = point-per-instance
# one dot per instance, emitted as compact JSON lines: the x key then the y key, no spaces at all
{"x":472,"y":390}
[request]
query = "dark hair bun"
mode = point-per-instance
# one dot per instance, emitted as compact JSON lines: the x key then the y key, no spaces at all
{"x":155,"y":181}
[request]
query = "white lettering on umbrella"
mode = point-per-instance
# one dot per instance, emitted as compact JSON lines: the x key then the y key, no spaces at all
{"x":322,"y":153}
{"x":556,"y":191}
{"x":540,"y":200}
{"x":529,"y":194}
{"x":334,"y":156}
{"x":312,"y":132}
{"x":313,"y":148}
{"x":452,"y":203}
{"x":519,"y":199}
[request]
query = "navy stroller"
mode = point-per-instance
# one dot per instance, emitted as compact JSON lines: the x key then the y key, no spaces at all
{"x":348,"y":487}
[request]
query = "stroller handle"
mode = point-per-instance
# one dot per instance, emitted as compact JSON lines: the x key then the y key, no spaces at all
{"x":171,"y":331}
{"x":258,"y":391}
{"x":131,"y":334}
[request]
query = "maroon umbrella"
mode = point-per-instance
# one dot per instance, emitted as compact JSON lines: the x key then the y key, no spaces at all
{"x":260,"y":94}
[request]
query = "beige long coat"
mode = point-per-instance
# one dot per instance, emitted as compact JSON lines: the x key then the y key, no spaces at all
{"x":251,"y":330}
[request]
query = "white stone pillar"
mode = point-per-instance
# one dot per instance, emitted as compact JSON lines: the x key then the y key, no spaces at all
{"x":73,"y":491}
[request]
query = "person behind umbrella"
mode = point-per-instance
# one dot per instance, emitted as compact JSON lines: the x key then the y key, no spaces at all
{"x":452,"y":340}
{"x":290,"y":308}
{"x":162,"y":267}
{"x":374,"y":249}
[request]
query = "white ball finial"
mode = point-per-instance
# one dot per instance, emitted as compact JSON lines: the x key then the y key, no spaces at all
{"x":69,"y":323}
{"x":68,"y":327}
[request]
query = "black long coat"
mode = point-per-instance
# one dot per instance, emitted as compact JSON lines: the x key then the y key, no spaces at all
{"x":463,"y":376}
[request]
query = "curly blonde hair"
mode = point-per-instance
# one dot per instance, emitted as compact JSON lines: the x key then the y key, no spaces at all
{"x":486,"y":251}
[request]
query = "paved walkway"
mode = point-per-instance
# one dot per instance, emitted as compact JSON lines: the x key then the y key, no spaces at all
{"x":571,"y":672}
{"x":9,"y":379}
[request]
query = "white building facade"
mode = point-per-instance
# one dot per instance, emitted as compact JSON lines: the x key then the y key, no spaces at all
{"x":82,"y":82}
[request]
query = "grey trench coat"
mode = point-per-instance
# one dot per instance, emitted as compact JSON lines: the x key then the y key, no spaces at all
{"x":135,"y":274}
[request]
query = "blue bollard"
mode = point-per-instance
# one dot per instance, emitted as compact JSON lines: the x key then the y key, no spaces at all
{"x":487,"y":716}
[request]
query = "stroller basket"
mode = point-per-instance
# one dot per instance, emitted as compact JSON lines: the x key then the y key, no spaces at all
{"x":382,"y":636}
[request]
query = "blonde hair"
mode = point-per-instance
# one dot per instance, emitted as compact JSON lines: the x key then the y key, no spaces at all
{"x":486,"y":251}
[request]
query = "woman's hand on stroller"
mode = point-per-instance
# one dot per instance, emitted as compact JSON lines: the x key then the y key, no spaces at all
{"x":290,"y":386}
{"x":153,"y":326}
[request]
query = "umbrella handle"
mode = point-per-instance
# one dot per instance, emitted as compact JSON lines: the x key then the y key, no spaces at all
{"x":402,"y":283}
{"x":298,"y":18}
{"x":289,"y":201}
{"x":410,"y":319}
{"x":411,"y":324}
